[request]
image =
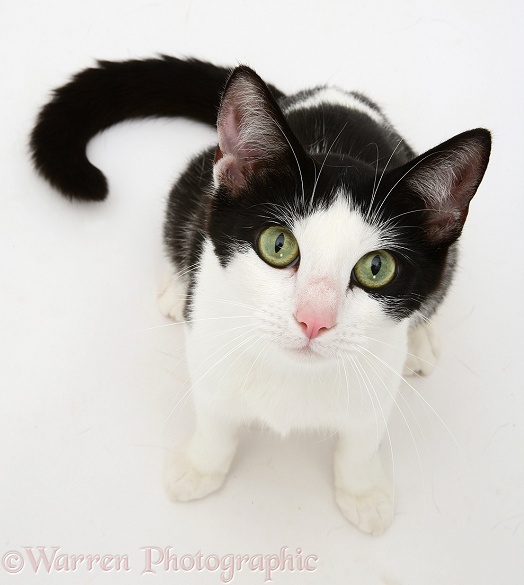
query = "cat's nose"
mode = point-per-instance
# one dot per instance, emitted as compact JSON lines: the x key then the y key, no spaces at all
{"x":314,"y":323}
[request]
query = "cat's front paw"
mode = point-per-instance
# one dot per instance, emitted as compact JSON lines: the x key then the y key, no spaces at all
{"x":371,"y":512}
{"x":424,"y":350}
{"x":172,"y":297}
{"x":184,"y":483}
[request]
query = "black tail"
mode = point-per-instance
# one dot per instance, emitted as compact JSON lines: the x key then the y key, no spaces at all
{"x":100,"y":97}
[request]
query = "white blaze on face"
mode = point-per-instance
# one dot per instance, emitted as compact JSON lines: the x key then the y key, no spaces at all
{"x":331,"y":242}
{"x":310,"y":305}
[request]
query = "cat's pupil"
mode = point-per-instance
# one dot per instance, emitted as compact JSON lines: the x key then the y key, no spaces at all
{"x":279,"y":243}
{"x":376,"y":265}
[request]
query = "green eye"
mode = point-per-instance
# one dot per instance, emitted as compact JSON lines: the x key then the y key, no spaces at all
{"x":277,"y":246}
{"x":376,"y":269}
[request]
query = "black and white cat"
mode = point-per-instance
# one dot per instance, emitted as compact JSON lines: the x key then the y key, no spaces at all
{"x":308,"y":252}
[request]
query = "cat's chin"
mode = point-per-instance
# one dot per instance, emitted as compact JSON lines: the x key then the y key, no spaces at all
{"x":306,"y":355}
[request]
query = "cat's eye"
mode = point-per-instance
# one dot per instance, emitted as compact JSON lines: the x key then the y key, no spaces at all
{"x":376,"y":269}
{"x":278,"y":247}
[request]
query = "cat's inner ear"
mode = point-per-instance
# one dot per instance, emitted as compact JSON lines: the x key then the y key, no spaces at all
{"x":446,"y":178}
{"x":252,"y":131}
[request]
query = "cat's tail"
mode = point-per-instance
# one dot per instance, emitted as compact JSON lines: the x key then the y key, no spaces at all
{"x":99,"y":97}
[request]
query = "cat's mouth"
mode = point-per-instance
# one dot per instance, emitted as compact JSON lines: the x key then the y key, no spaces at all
{"x":308,"y":353}
{"x":314,"y":352}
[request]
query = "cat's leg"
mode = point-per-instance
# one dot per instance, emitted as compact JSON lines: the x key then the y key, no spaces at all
{"x":364,"y":490}
{"x":172,"y":294}
{"x":423,"y":349}
{"x":201,"y":466}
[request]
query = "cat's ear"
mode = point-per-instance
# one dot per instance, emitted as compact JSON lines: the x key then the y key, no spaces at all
{"x":253,"y":135}
{"x":446,"y":178}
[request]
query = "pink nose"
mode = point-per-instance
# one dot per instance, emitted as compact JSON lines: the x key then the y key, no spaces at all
{"x":314,"y":323}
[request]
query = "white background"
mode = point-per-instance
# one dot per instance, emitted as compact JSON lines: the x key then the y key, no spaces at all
{"x":90,"y":375}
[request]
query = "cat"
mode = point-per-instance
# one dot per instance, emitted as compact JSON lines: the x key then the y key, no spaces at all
{"x":307,"y":253}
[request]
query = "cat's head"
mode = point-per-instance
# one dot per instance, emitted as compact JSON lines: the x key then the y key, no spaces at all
{"x":327,"y":249}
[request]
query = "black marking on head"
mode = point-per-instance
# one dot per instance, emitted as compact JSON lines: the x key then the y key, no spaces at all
{"x":266,"y":171}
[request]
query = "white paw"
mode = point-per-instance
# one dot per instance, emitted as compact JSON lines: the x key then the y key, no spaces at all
{"x":172,"y":296}
{"x":371,"y":512}
{"x":184,"y":483}
{"x":423,"y":350}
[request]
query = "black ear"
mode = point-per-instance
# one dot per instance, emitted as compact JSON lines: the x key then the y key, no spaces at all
{"x":253,"y":135}
{"x":446,"y":178}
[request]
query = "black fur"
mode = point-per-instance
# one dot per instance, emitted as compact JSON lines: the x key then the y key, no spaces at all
{"x":100,"y":97}
{"x":325,"y":149}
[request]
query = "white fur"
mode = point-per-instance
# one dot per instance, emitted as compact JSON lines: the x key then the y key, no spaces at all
{"x":250,"y":362}
{"x":423,"y":350}
{"x":336,"y":96}
{"x":172,"y":295}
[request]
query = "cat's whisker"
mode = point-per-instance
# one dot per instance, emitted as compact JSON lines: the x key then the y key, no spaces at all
{"x":214,"y":300}
{"x":257,"y":357}
{"x":419,"y":395}
{"x":348,"y":393}
{"x":374,"y":193}
{"x":418,"y":357}
{"x":213,"y":336}
{"x":229,"y":331}
{"x":255,"y":339}
{"x":386,"y":224}
{"x":234,"y":303}
{"x":323,"y":392}
{"x":326,"y":438}
{"x":215,"y":364}
{"x":190,"y":321}
{"x":402,"y":250}
{"x":386,"y":386}
{"x":345,"y":167}
{"x":177,"y":349}
{"x":361,"y":380}
{"x":322,"y":165}
{"x":410,"y":170}
{"x":181,"y":274}
{"x":424,"y":318}
{"x":361,"y":369}
{"x":295,"y":157}
{"x":284,"y":212}
{"x":369,"y":389}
